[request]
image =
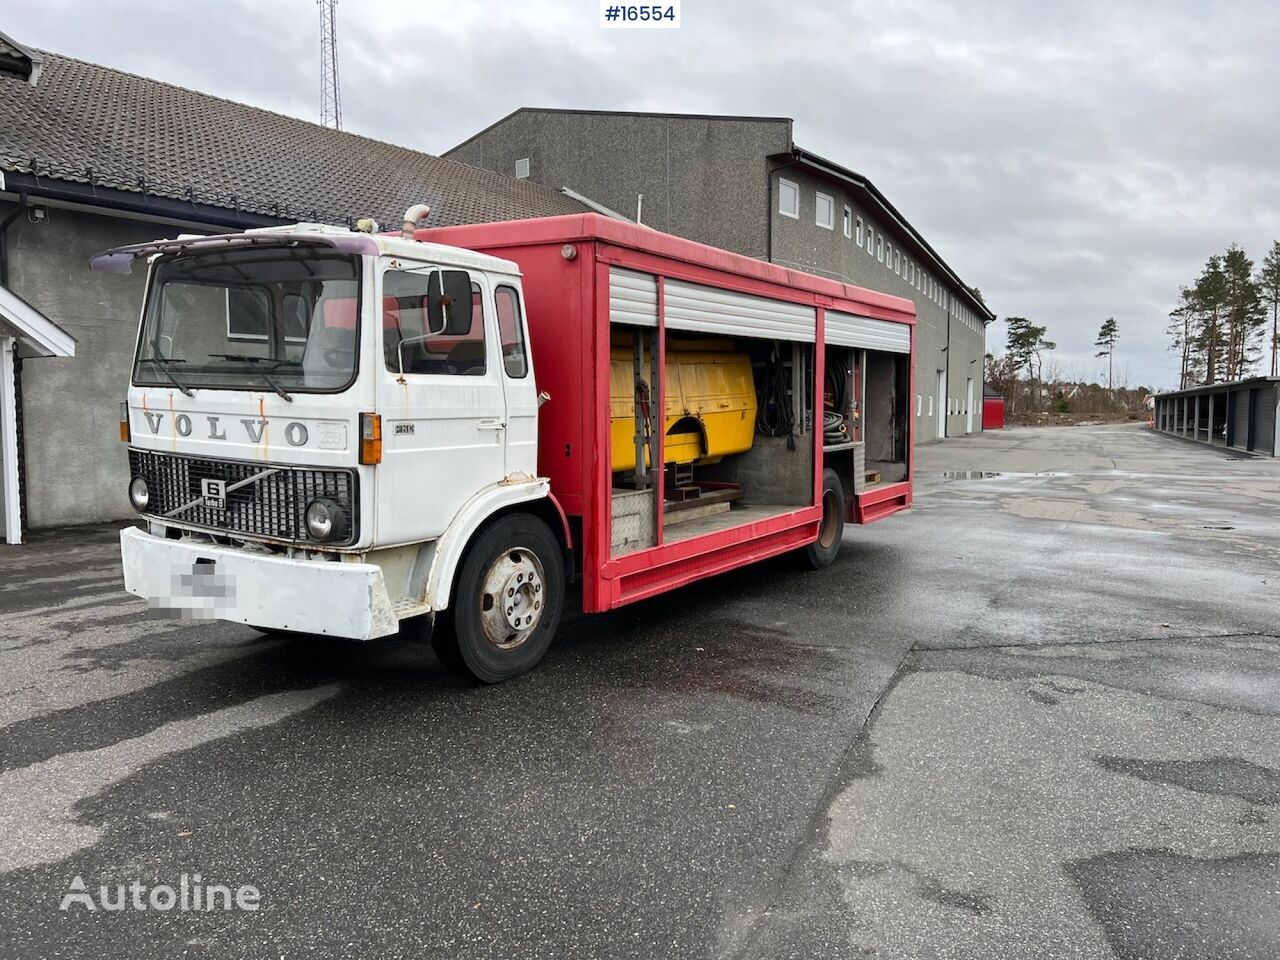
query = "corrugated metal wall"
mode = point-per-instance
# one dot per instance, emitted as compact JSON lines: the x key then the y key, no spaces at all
{"x":1264,"y":429}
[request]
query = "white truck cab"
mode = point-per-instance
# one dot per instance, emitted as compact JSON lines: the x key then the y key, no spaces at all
{"x":322,"y":425}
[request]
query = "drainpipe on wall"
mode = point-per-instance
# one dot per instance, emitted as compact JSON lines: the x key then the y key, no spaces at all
{"x":4,"y":237}
{"x":946,"y":420}
{"x":770,"y":176}
{"x":17,"y":366}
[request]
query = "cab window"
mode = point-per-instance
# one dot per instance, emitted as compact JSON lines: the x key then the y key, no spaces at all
{"x":409,"y":347}
{"x":511,"y":332}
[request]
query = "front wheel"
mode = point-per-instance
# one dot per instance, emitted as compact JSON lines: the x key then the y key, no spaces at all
{"x":823,"y":551}
{"x":507,"y":604}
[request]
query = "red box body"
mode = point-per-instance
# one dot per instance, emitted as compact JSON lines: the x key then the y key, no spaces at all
{"x":567,"y":299}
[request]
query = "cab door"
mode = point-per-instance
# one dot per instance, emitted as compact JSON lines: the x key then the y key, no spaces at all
{"x":517,"y":379}
{"x":442,"y":405}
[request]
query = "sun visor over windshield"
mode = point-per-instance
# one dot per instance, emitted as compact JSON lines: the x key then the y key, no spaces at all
{"x":120,"y":259}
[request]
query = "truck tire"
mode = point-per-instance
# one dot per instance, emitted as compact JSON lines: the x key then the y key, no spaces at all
{"x":506,"y":603}
{"x":823,"y":550}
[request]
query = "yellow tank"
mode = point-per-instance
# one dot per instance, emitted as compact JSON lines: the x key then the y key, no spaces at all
{"x":711,"y":403}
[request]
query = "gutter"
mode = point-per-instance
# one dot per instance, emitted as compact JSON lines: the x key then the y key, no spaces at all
{"x":70,"y":191}
{"x":829,"y":169}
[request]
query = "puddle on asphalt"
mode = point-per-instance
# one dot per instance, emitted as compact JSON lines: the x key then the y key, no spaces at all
{"x":987,"y":475}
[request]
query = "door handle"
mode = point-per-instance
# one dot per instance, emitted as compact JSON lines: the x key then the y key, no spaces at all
{"x":493,"y":424}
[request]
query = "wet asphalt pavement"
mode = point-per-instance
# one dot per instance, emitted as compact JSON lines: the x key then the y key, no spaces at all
{"x":1038,"y":716}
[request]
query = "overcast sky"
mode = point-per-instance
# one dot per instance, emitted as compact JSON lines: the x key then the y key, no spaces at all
{"x":1073,"y":160}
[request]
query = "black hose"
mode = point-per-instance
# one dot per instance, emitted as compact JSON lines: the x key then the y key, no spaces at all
{"x":774,"y":416}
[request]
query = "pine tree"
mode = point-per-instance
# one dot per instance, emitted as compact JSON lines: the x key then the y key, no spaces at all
{"x":1210,"y":299}
{"x":1269,"y":287}
{"x":1107,"y":338}
{"x":1184,"y":335}
{"x":1243,"y":313}
{"x":1025,"y":345}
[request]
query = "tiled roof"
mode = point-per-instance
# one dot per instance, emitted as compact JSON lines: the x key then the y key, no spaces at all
{"x":90,"y":124}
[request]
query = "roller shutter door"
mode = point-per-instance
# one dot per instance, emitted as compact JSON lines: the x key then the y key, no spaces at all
{"x":849,"y":330}
{"x":703,"y":309}
{"x":1264,"y":431}
{"x":1240,"y":419}
{"x":633,"y":298}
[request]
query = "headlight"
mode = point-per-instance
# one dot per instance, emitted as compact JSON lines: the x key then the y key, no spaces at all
{"x":326,"y":520}
{"x":139,"y":495}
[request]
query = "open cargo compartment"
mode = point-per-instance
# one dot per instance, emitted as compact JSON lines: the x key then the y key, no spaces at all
{"x":770,"y":471}
{"x":866,"y":436}
{"x":736,"y":434}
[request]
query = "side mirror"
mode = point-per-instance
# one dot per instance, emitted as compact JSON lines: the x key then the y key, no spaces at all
{"x":449,"y":303}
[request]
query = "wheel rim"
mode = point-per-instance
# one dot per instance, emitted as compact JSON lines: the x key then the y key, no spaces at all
{"x":830,"y":520}
{"x":512,"y":598}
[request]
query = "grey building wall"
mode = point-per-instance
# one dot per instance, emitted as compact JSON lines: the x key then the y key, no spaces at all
{"x":76,"y":466}
{"x":711,"y":179}
{"x":704,"y":178}
{"x":800,"y":242}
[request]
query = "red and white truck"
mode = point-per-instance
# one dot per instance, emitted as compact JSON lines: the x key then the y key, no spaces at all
{"x":357,"y":434}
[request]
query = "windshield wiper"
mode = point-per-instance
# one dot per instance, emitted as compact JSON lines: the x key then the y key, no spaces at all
{"x":253,"y":362}
{"x":162,"y":364}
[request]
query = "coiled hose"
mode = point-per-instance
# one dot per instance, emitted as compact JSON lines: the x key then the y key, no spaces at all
{"x":774,"y":416}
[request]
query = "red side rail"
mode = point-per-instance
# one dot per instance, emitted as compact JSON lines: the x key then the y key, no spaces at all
{"x":881,"y":502}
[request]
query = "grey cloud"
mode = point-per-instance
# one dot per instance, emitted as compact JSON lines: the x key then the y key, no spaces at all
{"x":1075,"y":161}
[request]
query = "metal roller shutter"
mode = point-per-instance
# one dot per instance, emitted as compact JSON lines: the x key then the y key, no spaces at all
{"x":633,"y":298}
{"x":849,"y":330}
{"x":1264,"y":432}
{"x":1240,"y":419}
{"x":691,"y":306}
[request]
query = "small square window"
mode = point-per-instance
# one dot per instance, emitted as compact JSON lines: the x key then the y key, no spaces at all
{"x":848,"y":222}
{"x":824,"y":211}
{"x":858,"y":233}
{"x":788,"y":199}
{"x":522,"y":168}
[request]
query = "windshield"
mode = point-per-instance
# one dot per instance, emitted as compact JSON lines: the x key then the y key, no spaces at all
{"x":277,"y":318}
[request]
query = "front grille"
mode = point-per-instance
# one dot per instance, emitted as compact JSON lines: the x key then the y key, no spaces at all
{"x":271,"y":506}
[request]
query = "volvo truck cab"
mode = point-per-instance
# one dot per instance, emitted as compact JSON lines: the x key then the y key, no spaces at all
{"x":319,"y":423}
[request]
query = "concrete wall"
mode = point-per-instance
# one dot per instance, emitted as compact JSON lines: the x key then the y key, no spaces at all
{"x":77,"y":468}
{"x":800,"y":242}
{"x":702,"y":178}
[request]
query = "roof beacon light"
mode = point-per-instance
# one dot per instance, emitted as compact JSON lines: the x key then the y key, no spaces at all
{"x":412,"y":217}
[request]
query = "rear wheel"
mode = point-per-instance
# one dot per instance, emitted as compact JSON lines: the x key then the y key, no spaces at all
{"x":507,"y":604}
{"x":823,"y":551}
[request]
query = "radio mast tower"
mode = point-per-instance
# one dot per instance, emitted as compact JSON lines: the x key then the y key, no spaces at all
{"x":330,"y":104}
